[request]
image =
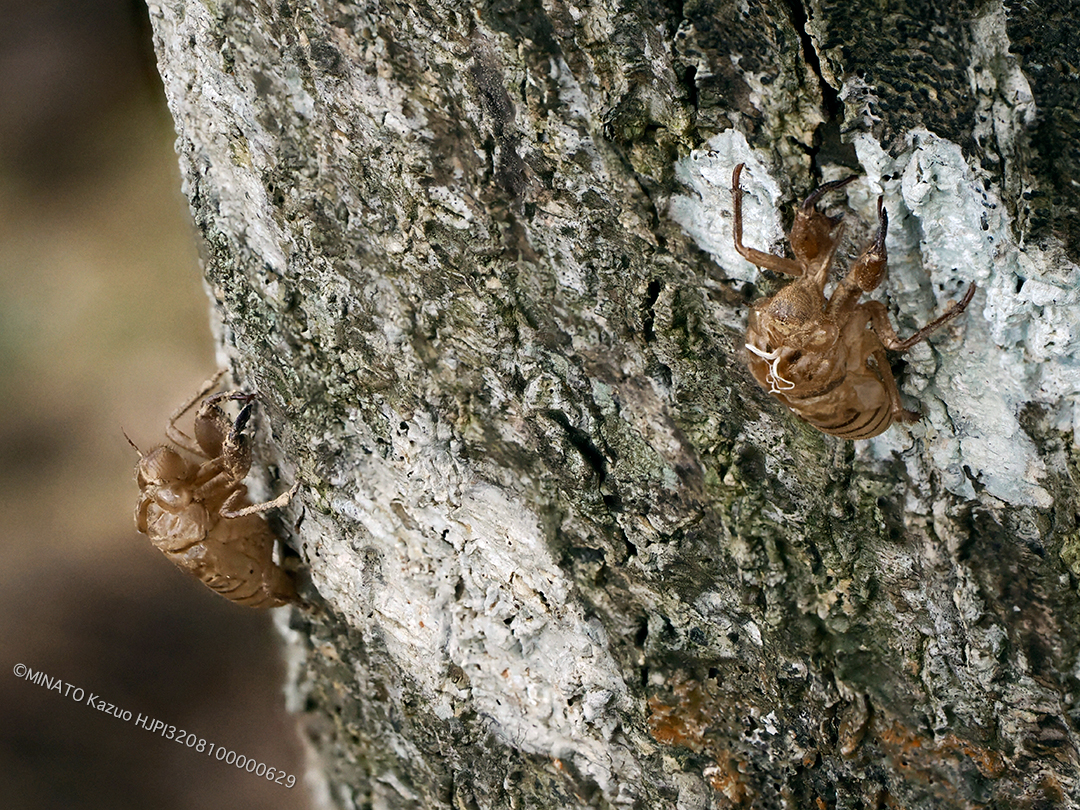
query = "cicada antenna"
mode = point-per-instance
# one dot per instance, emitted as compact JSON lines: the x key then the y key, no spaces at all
{"x":129,"y":441}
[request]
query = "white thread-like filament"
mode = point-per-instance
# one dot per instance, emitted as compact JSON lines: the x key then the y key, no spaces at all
{"x":777,"y":384}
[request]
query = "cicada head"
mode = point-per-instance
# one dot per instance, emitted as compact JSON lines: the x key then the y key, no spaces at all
{"x":162,"y":466}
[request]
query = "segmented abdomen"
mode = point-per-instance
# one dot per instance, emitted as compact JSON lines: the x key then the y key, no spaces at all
{"x":854,"y":406}
{"x":861,"y":424}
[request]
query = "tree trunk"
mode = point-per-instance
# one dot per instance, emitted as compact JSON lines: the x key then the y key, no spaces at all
{"x":477,"y":261}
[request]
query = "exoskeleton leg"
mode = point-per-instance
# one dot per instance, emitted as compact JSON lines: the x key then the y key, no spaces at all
{"x":879,"y":319}
{"x":238,"y":496}
{"x":221,"y":438}
{"x":177,"y":436}
{"x":869,"y":269}
{"x":814,"y":236}
{"x":871,"y":347}
{"x":767,"y":260}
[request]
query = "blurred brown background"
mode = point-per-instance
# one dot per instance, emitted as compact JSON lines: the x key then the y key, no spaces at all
{"x":103,"y":326}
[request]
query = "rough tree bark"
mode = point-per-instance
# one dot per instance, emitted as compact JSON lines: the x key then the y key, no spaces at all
{"x":476,"y":260}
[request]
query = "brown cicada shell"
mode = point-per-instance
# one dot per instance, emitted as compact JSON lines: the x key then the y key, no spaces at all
{"x":194,"y":506}
{"x":825,"y":358}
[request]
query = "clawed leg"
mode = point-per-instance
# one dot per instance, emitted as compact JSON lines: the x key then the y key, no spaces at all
{"x":866,"y":272}
{"x":177,"y":436}
{"x":814,"y":236}
{"x":899,"y":412}
{"x":214,"y":432}
{"x":227,"y":510}
{"x":871,"y":347}
{"x":778,"y":264}
{"x":883,"y":336}
{"x":819,"y":192}
{"x":869,"y":269}
{"x":879,"y":319}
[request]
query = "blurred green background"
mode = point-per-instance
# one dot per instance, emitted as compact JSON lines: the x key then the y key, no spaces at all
{"x":103,"y":326}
